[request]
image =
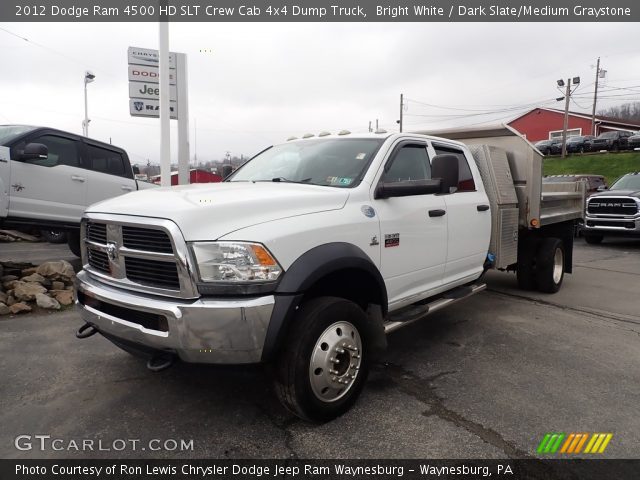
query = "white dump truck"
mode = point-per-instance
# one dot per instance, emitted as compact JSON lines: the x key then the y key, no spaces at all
{"x":308,"y":255}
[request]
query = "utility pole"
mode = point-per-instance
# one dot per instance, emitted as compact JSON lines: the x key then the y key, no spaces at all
{"x":565,"y":125}
{"x":595,"y":99}
{"x":401,"y":108}
{"x":377,"y":125}
{"x":370,"y":127}
{"x":165,"y":127}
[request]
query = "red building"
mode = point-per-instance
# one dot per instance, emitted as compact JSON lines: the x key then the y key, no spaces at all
{"x":547,"y":123}
{"x":196,"y":175}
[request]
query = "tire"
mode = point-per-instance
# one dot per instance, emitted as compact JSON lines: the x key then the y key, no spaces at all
{"x":581,"y":150}
{"x":74,"y":243}
{"x":594,"y":239}
{"x":550,"y":265}
{"x":54,"y":236}
{"x":525,"y":272}
{"x":308,"y":380}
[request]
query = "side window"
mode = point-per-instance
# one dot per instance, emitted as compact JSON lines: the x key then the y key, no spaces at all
{"x":106,"y":161}
{"x":411,"y":162}
{"x":62,"y":151}
{"x":465,"y":177}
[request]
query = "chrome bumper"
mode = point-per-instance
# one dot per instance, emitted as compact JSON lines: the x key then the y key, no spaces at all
{"x":223,"y":331}
{"x":612,"y":225}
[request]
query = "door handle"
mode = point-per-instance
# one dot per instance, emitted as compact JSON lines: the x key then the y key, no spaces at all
{"x":437,"y":213}
{"x":124,"y":187}
{"x":482,"y":208}
{"x":77,"y":178}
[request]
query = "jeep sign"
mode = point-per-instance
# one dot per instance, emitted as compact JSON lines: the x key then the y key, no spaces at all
{"x":149,"y":90}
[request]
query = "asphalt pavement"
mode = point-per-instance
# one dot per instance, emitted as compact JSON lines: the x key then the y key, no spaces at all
{"x":486,"y":378}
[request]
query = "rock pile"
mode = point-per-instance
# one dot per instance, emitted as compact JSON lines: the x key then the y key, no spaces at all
{"x":49,"y":286}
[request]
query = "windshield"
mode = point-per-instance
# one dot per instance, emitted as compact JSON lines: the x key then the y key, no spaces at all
{"x":559,"y":179}
{"x":543,"y":142}
{"x":573,"y":139}
{"x":9,"y":132}
{"x":628,"y":182}
{"x":608,"y":135}
{"x":328,"y":162}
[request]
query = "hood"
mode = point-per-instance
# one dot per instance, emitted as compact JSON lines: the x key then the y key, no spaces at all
{"x":617,"y":193}
{"x":209,"y":211}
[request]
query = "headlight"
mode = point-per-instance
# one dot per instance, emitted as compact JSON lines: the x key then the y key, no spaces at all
{"x":235,"y":262}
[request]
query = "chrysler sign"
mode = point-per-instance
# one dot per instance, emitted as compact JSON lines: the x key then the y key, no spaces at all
{"x":145,"y":56}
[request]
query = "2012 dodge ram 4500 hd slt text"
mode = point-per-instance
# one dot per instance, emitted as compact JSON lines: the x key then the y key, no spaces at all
{"x":314,"y":250}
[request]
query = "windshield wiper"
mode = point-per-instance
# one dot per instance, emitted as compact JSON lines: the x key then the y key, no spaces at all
{"x":286,"y":180}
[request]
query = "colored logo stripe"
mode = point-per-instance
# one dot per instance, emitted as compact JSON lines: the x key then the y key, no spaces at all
{"x":574,"y":443}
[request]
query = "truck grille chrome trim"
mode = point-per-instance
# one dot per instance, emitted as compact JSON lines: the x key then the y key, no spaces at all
{"x":612,"y":206}
{"x":138,"y":253}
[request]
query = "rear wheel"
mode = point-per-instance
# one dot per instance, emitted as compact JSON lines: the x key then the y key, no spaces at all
{"x":550,"y":265}
{"x":594,"y":239}
{"x":324,"y":363}
{"x":526,"y":264}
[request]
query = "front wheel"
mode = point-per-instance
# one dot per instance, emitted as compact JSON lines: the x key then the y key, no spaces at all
{"x":594,"y":239}
{"x":73,"y":240}
{"x":550,"y":265}
{"x":324,"y":363}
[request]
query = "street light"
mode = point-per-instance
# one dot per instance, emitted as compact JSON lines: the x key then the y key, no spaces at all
{"x":88,"y":78}
{"x":567,"y":98}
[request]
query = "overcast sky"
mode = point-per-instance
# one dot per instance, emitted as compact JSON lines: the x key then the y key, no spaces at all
{"x":252,"y":85}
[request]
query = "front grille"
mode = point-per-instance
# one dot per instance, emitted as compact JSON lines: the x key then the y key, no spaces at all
{"x":147,"y":239}
{"x":612,"y":206}
{"x":98,"y":260}
{"x":152,"y":273}
{"x":97,"y":232}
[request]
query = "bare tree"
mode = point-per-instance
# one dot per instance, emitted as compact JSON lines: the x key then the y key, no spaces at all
{"x":626,"y":111}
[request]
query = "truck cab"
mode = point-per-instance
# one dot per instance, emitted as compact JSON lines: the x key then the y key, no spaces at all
{"x":310,"y":253}
{"x":48,"y":177}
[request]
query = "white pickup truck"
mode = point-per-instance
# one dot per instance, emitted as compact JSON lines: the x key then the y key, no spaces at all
{"x":48,"y":177}
{"x":314,"y":250}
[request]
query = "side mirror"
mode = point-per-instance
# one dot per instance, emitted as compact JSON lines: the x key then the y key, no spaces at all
{"x":136,"y":169}
{"x":602,"y":188}
{"x":34,"y":151}
{"x":408,"y":188}
{"x":445,"y":167}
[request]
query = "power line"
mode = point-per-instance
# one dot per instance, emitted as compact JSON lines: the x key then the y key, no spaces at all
{"x":49,"y":49}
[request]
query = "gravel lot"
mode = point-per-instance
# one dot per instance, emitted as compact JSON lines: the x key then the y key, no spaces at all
{"x":486,"y":378}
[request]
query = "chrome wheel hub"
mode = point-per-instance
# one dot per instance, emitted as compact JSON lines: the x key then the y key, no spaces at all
{"x":335,"y":361}
{"x":558,"y":266}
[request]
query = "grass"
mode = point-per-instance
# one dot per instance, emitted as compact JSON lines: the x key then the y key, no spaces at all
{"x":611,"y":165}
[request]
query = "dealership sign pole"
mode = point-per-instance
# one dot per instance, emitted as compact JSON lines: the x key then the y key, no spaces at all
{"x":146,"y":99}
{"x":165,"y":130}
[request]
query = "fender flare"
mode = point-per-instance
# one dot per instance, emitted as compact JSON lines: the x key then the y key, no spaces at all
{"x":304,"y":273}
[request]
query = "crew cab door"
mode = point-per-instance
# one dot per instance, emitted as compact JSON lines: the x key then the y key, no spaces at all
{"x":52,"y":188}
{"x":469,"y":220}
{"x":413,"y":229}
{"x":5,"y":163}
{"x":109,"y":173}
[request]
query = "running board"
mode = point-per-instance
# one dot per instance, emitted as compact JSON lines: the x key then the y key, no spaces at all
{"x":412,"y":313}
